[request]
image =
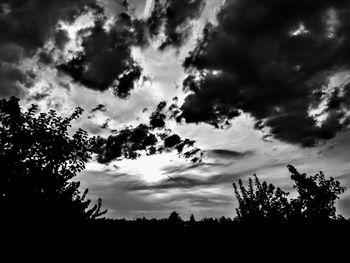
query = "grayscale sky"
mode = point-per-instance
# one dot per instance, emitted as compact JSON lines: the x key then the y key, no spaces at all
{"x":257,"y":87}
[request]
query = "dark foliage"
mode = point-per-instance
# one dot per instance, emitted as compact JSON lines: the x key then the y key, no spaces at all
{"x":317,"y":196}
{"x":175,"y":219}
{"x":38,"y":161}
{"x":263,"y":203}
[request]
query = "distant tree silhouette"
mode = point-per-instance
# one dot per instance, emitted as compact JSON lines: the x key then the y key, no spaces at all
{"x":175,"y":218}
{"x":262,"y":202}
{"x":192,"y":220}
{"x":38,"y":160}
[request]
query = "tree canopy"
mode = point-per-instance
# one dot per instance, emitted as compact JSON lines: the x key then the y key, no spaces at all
{"x":263,"y":202}
{"x":38,"y":160}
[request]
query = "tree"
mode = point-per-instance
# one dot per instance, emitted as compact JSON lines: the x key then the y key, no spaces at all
{"x":315,"y":202}
{"x":175,"y":218}
{"x":192,"y":220}
{"x":38,"y":161}
{"x":261,"y":202}
{"x":317,"y":196}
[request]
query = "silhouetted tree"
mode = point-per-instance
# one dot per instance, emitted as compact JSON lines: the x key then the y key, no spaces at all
{"x":261,"y":202}
{"x":317,"y":196}
{"x":175,"y":218}
{"x":192,"y":220}
{"x":38,"y":160}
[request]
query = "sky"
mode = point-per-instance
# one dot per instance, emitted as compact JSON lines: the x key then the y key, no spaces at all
{"x":188,"y":96}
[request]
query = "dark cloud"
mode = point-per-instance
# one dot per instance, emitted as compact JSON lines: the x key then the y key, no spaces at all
{"x":127,"y":143}
{"x":184,"y":147}
{"x":126,"y":82}
{"x":61,"y":38}
{"x":272,"y":59}
{"x":30,"y":24}
{"x":38,"y":96}
{"x":125,"y":4}
{"x":11,"y":81}
{"x":105,"y":125}
{"x":45,"y":58}
{"x":25,"y":27}
{"x":151,"y":139}
{"x":172,"y":141}
{"x":174,"y":16}
{"x":131,"y":143}
{"x":222,"y":153}
{"x":106,"y":61}
{"x":99,"y":107}
{"x":157,"y":119}
{"x":203,"y":167}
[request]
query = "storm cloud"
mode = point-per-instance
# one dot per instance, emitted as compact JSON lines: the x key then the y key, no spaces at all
{"x":25,"y":27}
{"x":107,"y":61}
{"x":273,"y":60}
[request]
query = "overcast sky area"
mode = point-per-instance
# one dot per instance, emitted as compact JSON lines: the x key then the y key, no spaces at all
{"x":256,"y":84}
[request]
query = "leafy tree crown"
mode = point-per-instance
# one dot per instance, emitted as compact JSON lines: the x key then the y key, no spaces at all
{"x":38,"y":160}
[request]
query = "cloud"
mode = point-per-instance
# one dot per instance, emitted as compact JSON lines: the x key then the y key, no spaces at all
{"x":131,"y":142}
{"x":203,"y":167}
{"x":157,"y":119}
{"x":191,"y":182}
{"x":211,"y":201}
{"x":120,"y":201}
{"x":107,"y":61}
{"x":126,"y":143}
{"x":273,"y":60}
{"x":175,"y":16}
{"x":29,"y":24}
{"x":99,"y":107}
{"x":229,"y":154}
{"x":61,"y":38}
{"x":25,"y":27}
{"x":12,"y":80}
